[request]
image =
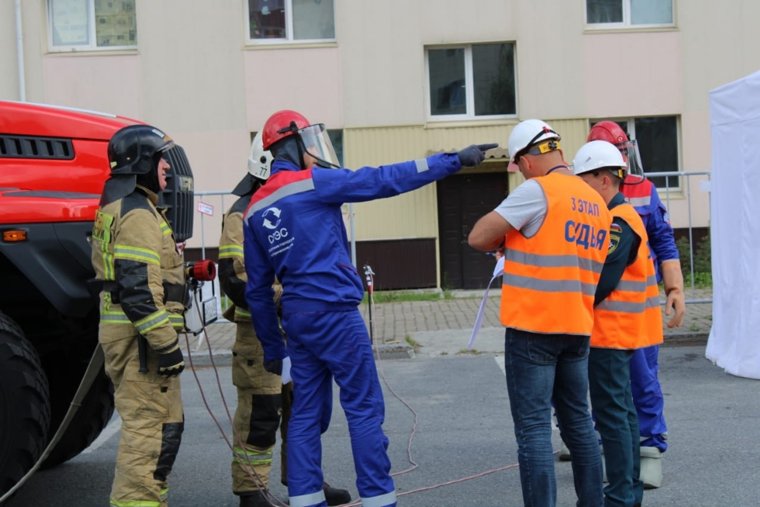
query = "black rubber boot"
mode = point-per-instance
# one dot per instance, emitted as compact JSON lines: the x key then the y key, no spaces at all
{"x":256,"y":499}
{"x":335,"y":496}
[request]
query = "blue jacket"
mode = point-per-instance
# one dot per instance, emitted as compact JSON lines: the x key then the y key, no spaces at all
{"x":294,"y":229}
{"x":654,"y":214}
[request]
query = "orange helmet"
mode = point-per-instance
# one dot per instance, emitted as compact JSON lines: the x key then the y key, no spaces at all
{"x":280,"y":125}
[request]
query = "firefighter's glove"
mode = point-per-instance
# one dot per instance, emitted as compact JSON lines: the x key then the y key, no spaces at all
{"x":474,"y":154}
{"x":170,"y":361}
{"x":274,"y":366}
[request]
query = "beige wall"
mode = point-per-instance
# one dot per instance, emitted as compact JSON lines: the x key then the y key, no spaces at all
{"x":9,"y":76}
{"x":195,"y":76}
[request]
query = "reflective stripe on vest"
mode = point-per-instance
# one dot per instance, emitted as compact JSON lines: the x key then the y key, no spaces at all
{"x":629,"y":317}
{"x":550,"y":278}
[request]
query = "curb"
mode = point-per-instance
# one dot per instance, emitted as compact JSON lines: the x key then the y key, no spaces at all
{"x":684,"y":339}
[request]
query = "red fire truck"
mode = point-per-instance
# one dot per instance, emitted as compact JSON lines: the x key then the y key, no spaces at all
{"x":53,"y":164}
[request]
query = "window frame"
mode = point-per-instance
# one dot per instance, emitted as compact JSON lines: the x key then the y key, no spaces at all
{"x":288,"y":40}
{"x":92,"y":35}
{"x":469,"y":83}
{"x":626,"y":22}
{"x":630,"y":128}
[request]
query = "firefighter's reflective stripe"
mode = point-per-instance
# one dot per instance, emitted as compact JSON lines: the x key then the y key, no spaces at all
{"x":166,"y":230}
{"x":231,"y":251}
{"x":113,"y":317}
{"x":550,"y":278}
{"x":156,"y":319}
{"x":135,"y":503}
{"x":380,"y":500}
{"x":252,"y":456}
{"x":102,"y":235}
{"x":306,"y":500}
{"x":138,"y":254}
{"x":177,"y":320}
{"x":239,"y":312}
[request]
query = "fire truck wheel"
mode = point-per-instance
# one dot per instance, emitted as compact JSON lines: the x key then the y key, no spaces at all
{"x":24,"y":404}
{"x":94,"y":414}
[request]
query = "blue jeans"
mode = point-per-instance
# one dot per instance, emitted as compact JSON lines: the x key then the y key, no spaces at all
{"x":541,"y":368}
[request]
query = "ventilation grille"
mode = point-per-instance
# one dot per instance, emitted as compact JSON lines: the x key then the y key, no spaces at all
{"x":36,"y":147}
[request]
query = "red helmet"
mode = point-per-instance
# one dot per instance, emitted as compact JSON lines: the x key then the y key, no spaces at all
{"x":608,"y":131}
{"x":281,"y":125}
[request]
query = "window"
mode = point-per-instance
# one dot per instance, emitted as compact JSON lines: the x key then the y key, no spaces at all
{"x":614,"y":13}
{"x":472,"y":81}
{"x":291,"y":20}
{"x":92,"y":24}
{"x":657,"y":138}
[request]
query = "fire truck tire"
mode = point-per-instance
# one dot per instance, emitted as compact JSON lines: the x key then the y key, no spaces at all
{"x":24,"y":404}
{"x":94,"y":414}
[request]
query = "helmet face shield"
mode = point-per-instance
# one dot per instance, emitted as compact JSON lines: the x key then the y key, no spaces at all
{"x":630,"y":152}
{"x":317,"y":143}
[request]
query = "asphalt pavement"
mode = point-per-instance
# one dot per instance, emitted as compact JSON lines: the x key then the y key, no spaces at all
{"x":447,"y":418}
{"x":449,"y":415}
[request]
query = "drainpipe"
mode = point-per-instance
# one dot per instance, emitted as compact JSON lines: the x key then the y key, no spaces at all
{"x":20,"y":53}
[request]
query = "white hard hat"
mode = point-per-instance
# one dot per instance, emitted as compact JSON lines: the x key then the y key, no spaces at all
{"x":528,"y":133}
{"x":259,"y":159}
{"x":597,"y":155}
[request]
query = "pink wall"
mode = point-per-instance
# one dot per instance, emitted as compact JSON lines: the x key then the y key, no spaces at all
{"x":635,"y":74}
{"x":306,"y":80}
{"x":108,"y":83}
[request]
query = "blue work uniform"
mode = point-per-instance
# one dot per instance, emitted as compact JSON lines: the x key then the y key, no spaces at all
{"x":647,"y":392}
{"x":294,"y":229}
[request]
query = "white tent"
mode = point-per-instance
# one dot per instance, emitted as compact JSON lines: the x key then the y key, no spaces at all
{"x":734,"y":342}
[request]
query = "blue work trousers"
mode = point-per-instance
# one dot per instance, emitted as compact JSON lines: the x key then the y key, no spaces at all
{"x":323,"y":346}
{"x":617,"y":423}
{"x":647,"y":397}
{"x":542,"y":367}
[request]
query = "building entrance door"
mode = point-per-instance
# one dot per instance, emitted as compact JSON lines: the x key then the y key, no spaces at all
{"x":462,"y":199}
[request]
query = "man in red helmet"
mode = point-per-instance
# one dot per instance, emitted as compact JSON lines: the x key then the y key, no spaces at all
{"x":647,"y":393}
{"x":294,"y":230}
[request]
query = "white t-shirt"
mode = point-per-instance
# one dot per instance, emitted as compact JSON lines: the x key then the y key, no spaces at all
{"x":524,"y":208}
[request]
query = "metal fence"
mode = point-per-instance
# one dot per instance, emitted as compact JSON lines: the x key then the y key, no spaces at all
{"x":210,"y":206}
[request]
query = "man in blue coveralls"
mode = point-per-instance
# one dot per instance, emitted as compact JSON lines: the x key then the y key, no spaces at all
{"x":294,"y":230}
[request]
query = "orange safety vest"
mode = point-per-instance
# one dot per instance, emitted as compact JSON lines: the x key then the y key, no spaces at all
{"x":629,"y":317}
{"x":550,"y":278}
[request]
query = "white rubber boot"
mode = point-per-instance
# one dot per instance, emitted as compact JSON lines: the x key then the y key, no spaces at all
{"x":651,"y":467}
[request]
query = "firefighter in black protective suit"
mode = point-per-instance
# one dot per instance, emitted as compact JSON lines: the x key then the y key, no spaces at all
{"x":142,"y":303}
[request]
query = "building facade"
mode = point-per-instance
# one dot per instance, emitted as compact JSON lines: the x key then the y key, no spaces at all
{"x":394,"y":80}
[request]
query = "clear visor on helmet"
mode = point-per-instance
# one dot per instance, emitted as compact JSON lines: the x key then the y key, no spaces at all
{"x":630,"y":151}
{"x":318,"y":145}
